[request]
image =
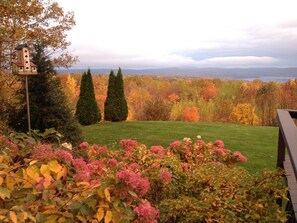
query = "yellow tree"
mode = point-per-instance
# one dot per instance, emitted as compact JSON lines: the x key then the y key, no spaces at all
{"x":34,"y":20}
{"x":245,"y":114}
{"x":29,"y":21}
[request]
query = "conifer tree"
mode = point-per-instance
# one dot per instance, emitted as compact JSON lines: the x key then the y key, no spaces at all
{"x":115,"y":107}
{"x":87,"y":110}
{"x":48,"y":104}
{"x":109,"y":105}
{"x":120,"y":95}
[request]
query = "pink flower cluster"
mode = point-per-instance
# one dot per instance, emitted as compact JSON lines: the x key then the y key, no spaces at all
{"x":84,"y":145}
{"x":45,"y":151}
{"x":241,"y":158}
{"x":158,"y":150}
{"x":175,"y":144}
{"x":219,"y":143}
{"x":82,"y":169}
{"x":221,"y":152}
{"x":86,"y":170}
{"x":201,"y":143}
{"x":64,"y":155}
{"x":146,"y":213}
{"x":102,"y":150}
{"x":133,"y":180}
{"x":112,"y":162}
{"x":166,"y":176}
{"x":128,"y":144}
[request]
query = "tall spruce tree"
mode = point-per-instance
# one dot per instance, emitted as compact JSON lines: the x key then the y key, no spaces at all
{"x":48,"y":104}
{"x":120,"y":95}
{"x":115,"y":107}
{"x":109,"y":112}
{"x":87,"y":110}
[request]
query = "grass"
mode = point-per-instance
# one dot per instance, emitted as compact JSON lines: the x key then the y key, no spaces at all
{"x":257,"y":143}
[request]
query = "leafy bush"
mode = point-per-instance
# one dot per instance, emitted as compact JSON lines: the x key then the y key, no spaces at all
{"x":186,"y":182}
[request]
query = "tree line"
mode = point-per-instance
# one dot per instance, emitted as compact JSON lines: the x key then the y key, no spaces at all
{"x":195,"y":99}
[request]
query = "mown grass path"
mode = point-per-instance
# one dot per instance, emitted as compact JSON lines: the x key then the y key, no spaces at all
{"x":257,"y":143}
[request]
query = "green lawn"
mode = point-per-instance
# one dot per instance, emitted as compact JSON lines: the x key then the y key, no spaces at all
{"x":257,"y":143}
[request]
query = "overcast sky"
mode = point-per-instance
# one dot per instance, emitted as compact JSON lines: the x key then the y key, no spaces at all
{"x":178,"y":33}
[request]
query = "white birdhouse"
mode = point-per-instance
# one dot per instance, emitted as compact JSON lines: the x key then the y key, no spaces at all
{"x":23,"y":65}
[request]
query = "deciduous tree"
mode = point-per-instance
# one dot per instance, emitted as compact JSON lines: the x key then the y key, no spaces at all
{"x":32,"y":20}
{"x":245,"y":114}
{"x":191,"y":114}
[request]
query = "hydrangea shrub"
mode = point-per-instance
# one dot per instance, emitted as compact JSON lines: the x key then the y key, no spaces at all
{"x":189,"y":181}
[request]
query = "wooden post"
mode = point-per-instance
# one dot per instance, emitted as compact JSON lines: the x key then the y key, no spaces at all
{"x":28,"y":105}
{"x":281,"y":150}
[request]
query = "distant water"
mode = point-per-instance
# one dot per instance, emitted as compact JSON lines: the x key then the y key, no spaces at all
{"x":248,"y":74}
{"x":270,"y":78}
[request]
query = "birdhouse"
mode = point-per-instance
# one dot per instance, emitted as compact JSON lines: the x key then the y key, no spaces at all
{"x":23,"y":65}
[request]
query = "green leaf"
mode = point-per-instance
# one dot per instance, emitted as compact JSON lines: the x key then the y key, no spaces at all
{"x":75,"y":207}
{"x":4,"y":193}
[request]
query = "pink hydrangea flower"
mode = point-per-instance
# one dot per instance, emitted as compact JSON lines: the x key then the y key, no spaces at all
{"x":102,"y":150}
{"x":201,"y":143}
{"x":42,"y":151}
{"x":175,"y":144}
{"x":128,"y":144}
{"x":64,"y":155}
{"x":146,"y":213}
{"x":112,"y":162}
{"x":133,"y":180}
{"x":95,"y":146}
{"x":241,"y":158}
{"x":82,"y":169}
{"x":95,"y":167}
{"x":84,"y":145}
{"x":134,"y":167}
{"x":220,"y":152}
{"x":166,"y":176}
{"x":128,"y":154}
{"x":219,"y":143}
{"x":158,"y":150}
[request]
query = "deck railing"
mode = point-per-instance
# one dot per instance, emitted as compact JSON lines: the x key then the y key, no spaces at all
{"x":287,"y":157}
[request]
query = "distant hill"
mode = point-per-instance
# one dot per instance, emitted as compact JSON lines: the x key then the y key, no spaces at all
{"x":264,"y":74}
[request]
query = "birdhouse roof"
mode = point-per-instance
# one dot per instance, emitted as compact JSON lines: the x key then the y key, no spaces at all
{"x":22,"y":65}
{"x":21,"y":46}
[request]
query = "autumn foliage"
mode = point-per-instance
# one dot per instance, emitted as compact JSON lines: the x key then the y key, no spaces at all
{"x":191,"y":114}
{"x":189,"y":181}
{"x":199,"y":99}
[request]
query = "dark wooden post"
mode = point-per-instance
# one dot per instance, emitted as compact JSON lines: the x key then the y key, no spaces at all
{"x":281,"y":150}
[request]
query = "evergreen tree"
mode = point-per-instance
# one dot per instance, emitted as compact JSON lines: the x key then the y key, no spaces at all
{"x":48,"y":104}
{"x":109,"y":112}
{"x":87,"y":110}
{"x":120,"y":95}
{"x":115,"y":107}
